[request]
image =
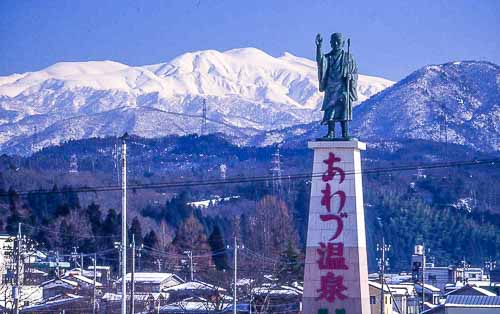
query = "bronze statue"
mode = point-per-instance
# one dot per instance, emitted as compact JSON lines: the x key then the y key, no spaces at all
{"x":338,"y":77}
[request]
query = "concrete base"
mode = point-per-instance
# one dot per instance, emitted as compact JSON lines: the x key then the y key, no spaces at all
{"x":336,"y":280}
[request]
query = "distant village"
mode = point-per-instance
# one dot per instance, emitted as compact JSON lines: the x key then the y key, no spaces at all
{"x":48,"y":283}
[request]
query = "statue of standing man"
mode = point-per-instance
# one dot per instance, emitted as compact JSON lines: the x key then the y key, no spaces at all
{"x":338,"y":78}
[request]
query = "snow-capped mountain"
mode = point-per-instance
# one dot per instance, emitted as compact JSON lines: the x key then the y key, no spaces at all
{"x":458,"y":102}
{"x":246,"y":91}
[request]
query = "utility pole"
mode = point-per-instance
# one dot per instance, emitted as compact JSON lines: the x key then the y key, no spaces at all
{"x":423,"y":277}
{"x":235,"y":273}
{"x":158,"y":262}
{"x":139,"y":255}
{"x":124,"y":224}
{"x":81,"y":263}
{"x":132,"y":277}
{"x":190,"y":255}
{"x":57,"y":264}
{"x":382,"y":263}
{"x":15,"y":291}
{"x":94,"y":261}
{"x":465,"y":269}
{"x":118,"y":247}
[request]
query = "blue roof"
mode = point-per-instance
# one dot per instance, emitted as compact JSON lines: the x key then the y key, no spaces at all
{"x":479,"y":300}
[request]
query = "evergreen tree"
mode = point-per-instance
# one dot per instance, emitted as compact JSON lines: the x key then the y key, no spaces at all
{"x":94,"y":215}
{"x":291,"y":267}
{"x":112,"y":223}
{"x":136,"y":230}
{"x":217,"y":246}
{"x":176,"y":210}
{"x":150,"y":239}
{"x":15,"y":217}
{"x":67,"y":236}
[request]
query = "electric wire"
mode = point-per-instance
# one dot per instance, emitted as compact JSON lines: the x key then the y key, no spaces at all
{"x":239,"y":180}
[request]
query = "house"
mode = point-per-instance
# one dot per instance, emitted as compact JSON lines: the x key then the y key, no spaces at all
{"x":470,"y":274}
{"x":471,"y":290}
{"x":72,"y":284}
{"x":194,"y":289}
{"x":111,"y":302}
{"x":103,"y":274}
{"x":33,"y":276}
{"x":432,"y":294}
{"x":440,"y":276}
{"x":152,"y":282}
{"x":66,"y":302}
{"x":407,"y":297}
{"x":279,"y":298}
{"x":28,"y":295}
{"x":464,"y":304}
{"x":375,"y":291}
{"x":194,"y":305}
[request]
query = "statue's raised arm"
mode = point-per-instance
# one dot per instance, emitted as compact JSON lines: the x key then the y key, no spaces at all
{"x":319,"y":41}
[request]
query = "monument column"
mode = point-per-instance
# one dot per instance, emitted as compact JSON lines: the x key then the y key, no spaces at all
{"x":336,"y":271}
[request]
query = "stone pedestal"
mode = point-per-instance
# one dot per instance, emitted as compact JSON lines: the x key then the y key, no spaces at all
{"x":336,"y":271}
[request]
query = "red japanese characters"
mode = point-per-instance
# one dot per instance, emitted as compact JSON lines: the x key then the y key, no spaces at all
{"x":331,"y":255}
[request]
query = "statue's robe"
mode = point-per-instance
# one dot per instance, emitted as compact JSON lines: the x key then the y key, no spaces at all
{"x":332,"y":75}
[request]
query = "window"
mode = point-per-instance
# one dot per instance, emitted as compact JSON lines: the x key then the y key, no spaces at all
{"x":373,"y":300}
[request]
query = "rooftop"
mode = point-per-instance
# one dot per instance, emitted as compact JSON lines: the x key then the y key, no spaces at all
{"x":155,"y":278}
{"x":477,"y":289}
{"x":473,"y":301}
{"x":194,"y":285}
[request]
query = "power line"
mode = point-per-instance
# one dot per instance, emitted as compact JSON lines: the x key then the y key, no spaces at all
{"x":238,"y":180}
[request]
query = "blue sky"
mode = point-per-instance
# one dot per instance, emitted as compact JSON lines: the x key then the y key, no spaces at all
{"x":389,"y":38}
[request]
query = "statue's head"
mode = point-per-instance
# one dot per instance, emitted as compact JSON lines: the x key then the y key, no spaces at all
{"x":336,"y":41}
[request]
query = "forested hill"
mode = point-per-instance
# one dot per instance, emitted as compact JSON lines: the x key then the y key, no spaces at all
{"x":453,"y":210}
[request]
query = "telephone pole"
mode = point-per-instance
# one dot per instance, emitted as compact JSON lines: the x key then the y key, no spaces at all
{"x":158,"y":262}
{"x":132,"y":277}
{"x":81,"y":263}
{"x":57,"y":264}
{"x":190,"y":255}
{"x":94,"y":261}
{"x":382,"y":263}
{"x":235,"y":273}
{"x":124,"y":224}
{"x":16,"y":293}
{"x":139,"y":255}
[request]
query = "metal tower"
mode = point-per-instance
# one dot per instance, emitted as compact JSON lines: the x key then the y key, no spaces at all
{"x":276,"y":171}
{"x":223,"y":171}
{"x":34,"y":138}
{"x":203,"y":129}
{"x":73,"y":164}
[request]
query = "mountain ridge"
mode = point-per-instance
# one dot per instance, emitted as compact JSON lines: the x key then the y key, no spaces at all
{"x":456,"y":102}
{"x":243,"y":88}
